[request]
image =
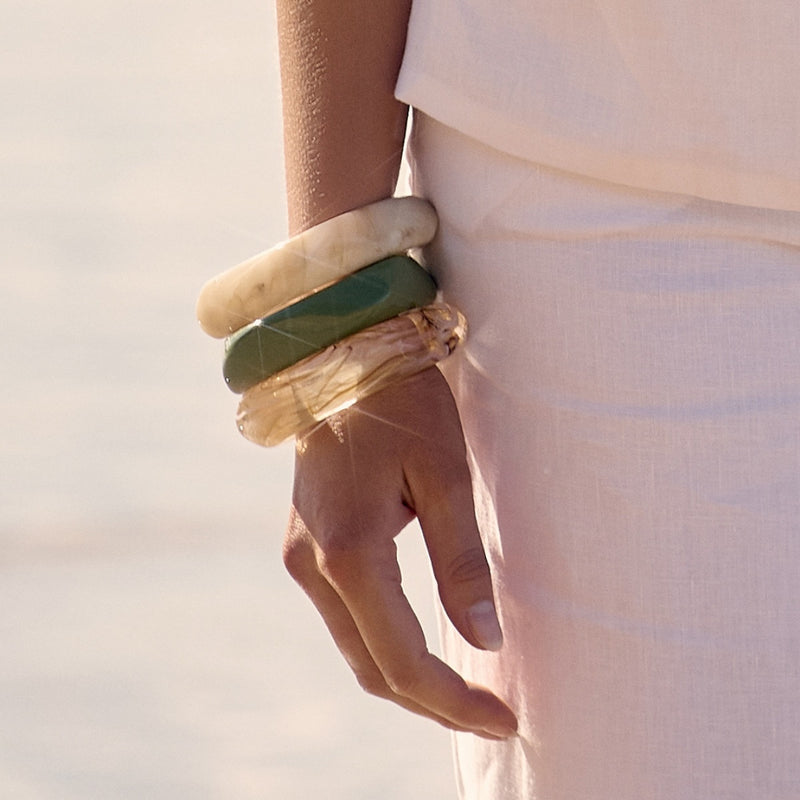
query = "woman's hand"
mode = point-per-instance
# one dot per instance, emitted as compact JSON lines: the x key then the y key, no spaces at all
{"x":360,"y":479}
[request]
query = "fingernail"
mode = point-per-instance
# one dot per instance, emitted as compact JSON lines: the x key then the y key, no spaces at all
{"x":485,"y":625}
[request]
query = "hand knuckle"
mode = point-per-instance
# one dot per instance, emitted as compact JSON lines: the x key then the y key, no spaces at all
{"x":295,"y":557}
{"x":402,"y":680}
{"x":373,"y":683}
{"x":337,"y":556}
{"x":469,"y":566}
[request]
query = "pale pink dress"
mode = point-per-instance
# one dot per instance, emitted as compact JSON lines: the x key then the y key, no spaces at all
{"x":631,"y":397}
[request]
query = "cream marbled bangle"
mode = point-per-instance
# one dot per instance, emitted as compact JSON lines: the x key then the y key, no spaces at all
{"x":313,"y":260}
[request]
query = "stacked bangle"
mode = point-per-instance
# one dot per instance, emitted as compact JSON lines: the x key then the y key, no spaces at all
{"x":367,"y":297}
{"x":313,"y":259}
{"x":331,"y":316}
{"x":330,"y":381}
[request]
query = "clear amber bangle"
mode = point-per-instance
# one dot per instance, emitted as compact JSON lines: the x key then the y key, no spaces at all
{"x":327,"y":382}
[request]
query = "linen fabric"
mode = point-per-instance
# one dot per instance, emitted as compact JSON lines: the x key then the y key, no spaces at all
{"x":630,"y":393}
{"x":672,"y":95}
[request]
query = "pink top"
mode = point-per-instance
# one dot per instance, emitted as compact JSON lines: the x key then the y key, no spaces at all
{"x":671,"y":95}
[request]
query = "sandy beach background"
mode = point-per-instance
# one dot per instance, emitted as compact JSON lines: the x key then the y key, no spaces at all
{"x":151,"y":644}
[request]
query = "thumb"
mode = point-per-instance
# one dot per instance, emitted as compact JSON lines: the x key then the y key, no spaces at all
{"x":447,"y":516}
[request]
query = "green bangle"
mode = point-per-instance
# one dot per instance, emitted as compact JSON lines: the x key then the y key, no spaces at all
{"x":367,"y":297}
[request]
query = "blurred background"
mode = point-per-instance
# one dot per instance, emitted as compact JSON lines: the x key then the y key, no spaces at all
{"x":150,"y":643}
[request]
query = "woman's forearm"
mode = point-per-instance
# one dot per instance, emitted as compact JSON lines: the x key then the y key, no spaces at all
{"x":343,"y":128}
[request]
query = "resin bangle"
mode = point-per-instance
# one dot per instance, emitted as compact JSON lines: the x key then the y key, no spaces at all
{"x":308,"y":392}
{"x":312,"y":260}
{"x":374,"y":294}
